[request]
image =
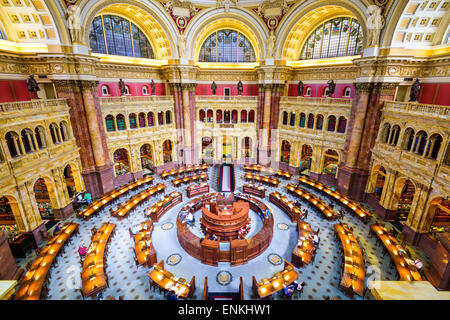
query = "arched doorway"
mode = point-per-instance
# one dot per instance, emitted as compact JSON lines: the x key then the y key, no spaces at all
{"x":439,"y":214}
{"x":330,"y":162}
{"x":403,"y":198}
{"x":285,"y":153}
{"x":8,"y":224}
{"x":246,"y":147}
{"x":121,"y":162}
{"x":305,"y":158}
{"x":146,"y":159}
{"x":378,"y":179}
{"x":44,"y":203}
{"x":167,"y":151}
{"x":70,"y":181}
{"x":227,"y":148}
{"x":207,"y":148}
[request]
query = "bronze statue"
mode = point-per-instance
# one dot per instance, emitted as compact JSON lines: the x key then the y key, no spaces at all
{"x":240,"y":87}
{"x":300,"y":88}
{"x":213,"y":88}
{"x":33,"y":87}
{"x":122,"y":87}
{"x":415,"y":89}
{"x":331,"y":87}
{"x":153,"y":87}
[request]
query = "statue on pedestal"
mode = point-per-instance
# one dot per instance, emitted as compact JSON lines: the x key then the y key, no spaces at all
{"x":375,"y":23}
{"x":300,"y":88}
{"x":213,"y":88}
{"x":182,"y":45}
{"x":33,"y":87}
{"x":240,"y":87}
{"x":153,"y":87}
{"x":415,"y":89}
{"x":331,"y":87}
{"x":122,"y":87}
{"x":270,"y":45}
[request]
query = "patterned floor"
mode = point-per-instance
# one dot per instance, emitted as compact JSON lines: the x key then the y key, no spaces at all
{"x":131,"y":282}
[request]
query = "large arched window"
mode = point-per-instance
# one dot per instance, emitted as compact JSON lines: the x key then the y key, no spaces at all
{"x":115,"y":35}
{"x":337,"y":37}
{"x":227,"y":46}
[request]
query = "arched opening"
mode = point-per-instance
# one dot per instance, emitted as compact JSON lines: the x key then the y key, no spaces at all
{"x":408,"y":139}
{"x":105,"y":90}
{"x":12,"y":140}
{"x":39,"y":133}
{"x":385,"y":133}
{"x":378,"y":178}
{"x":319,"y":123}
{"x":55,"y":133}
{"x":243,"y":116}
{"x":246,"y":147}
{"x":310,"y":121}
{"x":395,"y":133}
{"x":167,"y":151}
{"x":202,"y":115}
{"x":161,"y":118}
{"x":27,"y":140}
{"x":308,"y":92}
{"x":9,"y":210}
{"x":331,"y":123}
{"x":342,"y":124}
{"x":403,"y":197}
{"x":226,"y":116}
{"x":133,"y":123}
{"x":227,"y":149}
{"x":251,"y":116}
{"x":285,"y":153}
{"x":146,"y":159}
{"x":420,"y":142}
{"x":285,"y":118}
{"x":347,"y":92}
{"x":141,"y":120}
{"x":292,"y":119}
{"x":110,"y":123}
{"x":305,"y":158}
{"x":168,"y":117}
{"x":219,"y":116}
{"x":42,"y":195}
{"x":439,"y":214}
{"x":330,"y":162}
{"x":302,"y":120}
{"x":65,"y":134}
{"x":210,"y":115}
{"x":234,"y":116}
{"x":207,"y":148}
{"x":433,"y":146}
{"x":150,"y":119}
{"x":120,"y":122}
{"x":70,"y":181}
{"x":144,"y":90}
{"x":121,"y":162}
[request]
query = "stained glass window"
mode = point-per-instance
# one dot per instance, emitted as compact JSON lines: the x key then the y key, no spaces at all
{"x":227,"y":46}
{"x":117,"y":36}
{"x":335,"y":38}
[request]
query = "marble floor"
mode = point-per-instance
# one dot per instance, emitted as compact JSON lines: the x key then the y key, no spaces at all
{"x":131,"y":282}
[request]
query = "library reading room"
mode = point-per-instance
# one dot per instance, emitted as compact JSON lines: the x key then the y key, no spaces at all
{"x":224,"y":150}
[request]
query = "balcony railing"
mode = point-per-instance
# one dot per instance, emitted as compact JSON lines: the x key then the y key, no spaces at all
{"x":318,"y":101}
{"x":125,"y":99}
{"x":39,"y":105}
{"x":227,"y":98}
{"x":417,"y":108}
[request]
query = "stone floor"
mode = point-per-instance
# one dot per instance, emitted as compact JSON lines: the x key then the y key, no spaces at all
{"x":131,"y":282}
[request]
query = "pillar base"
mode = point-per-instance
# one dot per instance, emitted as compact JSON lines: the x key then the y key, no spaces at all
{"x":40,"y":233}
{"x":264,"y":157}
{"x":8,"y":267}
{"x":382,"y":212}
{"x":165,"y":166}
{"x":324,"y":178}
{"x":189,"y":155}
{"x":352,"y":182}
{"x":126,"y":178}
{"x":411,"y":236}
{"x":64,"y":213}
{"x":99,"y":182}
{"x":438,"y":273}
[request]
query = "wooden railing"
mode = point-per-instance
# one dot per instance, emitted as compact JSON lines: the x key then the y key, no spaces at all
{"x":38,"y":105}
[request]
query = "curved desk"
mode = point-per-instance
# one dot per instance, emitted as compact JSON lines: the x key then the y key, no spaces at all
{"x":143,"y":249}
{"x":304,"y":253}
{"x":287,"y":206}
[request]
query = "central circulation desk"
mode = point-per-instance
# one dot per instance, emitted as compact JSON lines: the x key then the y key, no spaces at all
{"x":352,"y":205}
{"x":167,"y":281}
{"x":404,"y":264}
{"x":123,"y":210}
{"x":36,"y":276}
{"x":278,"y":282}
{"x":326,"y":211}
{"x":287,"y":206}
{"x":98,"y":204}
{"x":304,"y":253}
{"x":93,"y":276}
{"x":162,"y":206}
{"x":353,"y":275}
{"x":143,"y":248}
{"x":256,"y":190}
{"x":256,"y":177}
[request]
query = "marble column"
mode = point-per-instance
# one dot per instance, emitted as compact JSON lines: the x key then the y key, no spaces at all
{"x":264,"y":132}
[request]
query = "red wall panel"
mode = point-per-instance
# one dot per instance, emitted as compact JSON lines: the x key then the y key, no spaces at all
{"x":6,"y":93}
{"x":443,"y":95}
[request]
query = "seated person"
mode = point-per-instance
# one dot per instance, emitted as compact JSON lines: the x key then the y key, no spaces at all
{"x":88,"y":197}
{"x":190,"y":219}
{"x":418,"y":263}
{"x":80,"y":199}
{"x":171,"y":295}
{"x":57,"y":229}
{"x":82,"y":250}
{"x":288,"y":291}
{"x":298,"y":285}
{"x":316,"y":239}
